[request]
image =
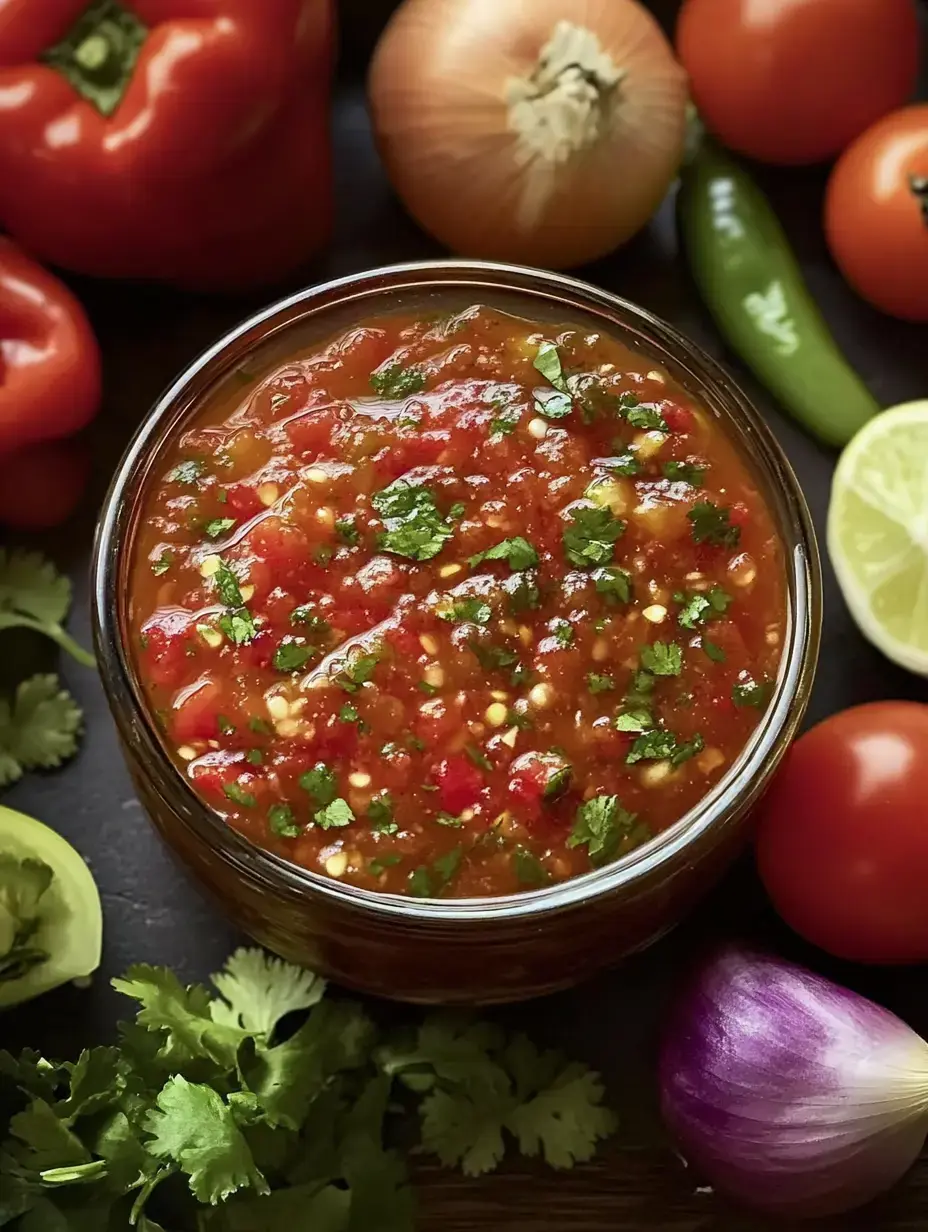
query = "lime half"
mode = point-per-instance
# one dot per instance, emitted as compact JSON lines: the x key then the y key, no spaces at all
{"x":70,"y":922}
{"x":878,"y":532}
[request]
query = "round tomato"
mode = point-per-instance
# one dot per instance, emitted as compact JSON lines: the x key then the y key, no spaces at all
{"x":876,"y":214}
{"x":793,"y":81}
{"x":842,"y":841}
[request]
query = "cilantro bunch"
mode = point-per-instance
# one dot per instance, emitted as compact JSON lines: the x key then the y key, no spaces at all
{"x":264,"y":1106}
{"x":40,"y":723}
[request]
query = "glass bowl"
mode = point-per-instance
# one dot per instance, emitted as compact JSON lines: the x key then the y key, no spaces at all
{"x":465,"y":950}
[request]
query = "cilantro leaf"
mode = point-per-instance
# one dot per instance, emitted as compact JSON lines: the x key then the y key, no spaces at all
{"x":563,"y":634}
{"x":320,"y":782}
{"x":684,"y":472}
{"x":528,"y":869}
{"x":235,"y":792}
{"x":591,"y":537}
{"x":472,"y":611}
{"x":346,"y":530}
{"x":506,"y":421}
{"x":715,"y":653}
{"x":633,"y":721}
{"x":548,"y":362}
{"x":236,"y":623}
{"x":699,"y":607}
{"x":38,"y":729}
{"x":597,"y":683}
{"x":217,"y":527}
{"x":613,"y":583}
{"x":380,"y":814}
{"x":523,"y":591}
{"x":187,"y":472}
{"x":748,"y":692}
{"x":258,"y":990}
{"x":600,"y":825}
{"x":414,"y":525}
{"x":227,"y":586}
{"x":34,"y":595}
{"x":712,"y":524}
{"x":395,"y":382}
{"x":356,"y":670}
{"x":518,"y":554}
{"x":662,"y":659}
{"x":292,"y":656}
{"x":661,"y":745}
{"x":194,"y":1128}
{"x":334,"y":815}
{"x":162,"y":564}
{"x":283,"y":823}
{"x":49,"y":1141}
{"x":623,"y":464}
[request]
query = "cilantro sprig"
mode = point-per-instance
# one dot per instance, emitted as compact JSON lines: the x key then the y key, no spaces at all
{"x":237,"y":623}
{"x":699,"y":607}
{"x":591,"y":536}
{"x":34,"y":595}
{"x":711,"y":523}
{"x":414,"y":525}
{"x":518,"y":554}
{"x":601,"y":825}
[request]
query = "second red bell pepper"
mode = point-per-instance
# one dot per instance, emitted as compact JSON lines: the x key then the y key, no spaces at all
{"x":184,"y":141}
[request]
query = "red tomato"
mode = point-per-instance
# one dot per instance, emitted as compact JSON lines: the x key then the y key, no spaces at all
{"x":793,"y":81}
{"x":842,"y":843}
{"x":876,"y":214}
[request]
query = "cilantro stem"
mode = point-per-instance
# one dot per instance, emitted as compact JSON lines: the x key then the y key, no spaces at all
{"x":51,"y":629}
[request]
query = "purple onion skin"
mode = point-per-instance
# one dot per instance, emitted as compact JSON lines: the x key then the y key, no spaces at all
{"x":788,"y":1092}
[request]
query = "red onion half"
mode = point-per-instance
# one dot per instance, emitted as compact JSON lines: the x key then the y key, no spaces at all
{"x":789,"y":1092}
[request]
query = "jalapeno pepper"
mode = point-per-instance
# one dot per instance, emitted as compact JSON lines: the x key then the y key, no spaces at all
{"x":751,"y":283}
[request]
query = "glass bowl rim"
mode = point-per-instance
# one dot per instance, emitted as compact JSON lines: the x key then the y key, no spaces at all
{"x":749,"y":773}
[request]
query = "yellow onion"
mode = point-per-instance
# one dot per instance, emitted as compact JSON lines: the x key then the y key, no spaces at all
{"x":539,"y":131}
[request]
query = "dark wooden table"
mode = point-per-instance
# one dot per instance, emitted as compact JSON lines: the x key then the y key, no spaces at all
{"x":153,"y":914}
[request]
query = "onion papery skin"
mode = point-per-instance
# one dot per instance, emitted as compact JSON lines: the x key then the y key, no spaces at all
{"x":788,"y":1092}
{"x":441,"y":96}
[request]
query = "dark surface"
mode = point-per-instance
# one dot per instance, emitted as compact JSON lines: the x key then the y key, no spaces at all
{"x":153,"y":915}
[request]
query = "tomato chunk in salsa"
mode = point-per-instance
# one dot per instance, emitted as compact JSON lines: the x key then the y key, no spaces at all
{"x":456,"y":607}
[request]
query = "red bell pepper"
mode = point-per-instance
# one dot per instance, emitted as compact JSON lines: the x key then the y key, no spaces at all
{"x":49,"y":389}
{"x":184,"y":141}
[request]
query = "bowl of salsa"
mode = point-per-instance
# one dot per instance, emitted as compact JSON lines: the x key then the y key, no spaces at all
{"x":453,"y":617}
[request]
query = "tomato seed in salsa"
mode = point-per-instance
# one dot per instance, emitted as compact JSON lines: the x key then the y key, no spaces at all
{"x":456,"y":607}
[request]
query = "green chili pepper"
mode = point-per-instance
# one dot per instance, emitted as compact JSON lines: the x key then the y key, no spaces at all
{"x":751,"y":282}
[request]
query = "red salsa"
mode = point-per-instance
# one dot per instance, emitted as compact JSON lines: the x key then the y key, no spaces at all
{"x":456,"y":607}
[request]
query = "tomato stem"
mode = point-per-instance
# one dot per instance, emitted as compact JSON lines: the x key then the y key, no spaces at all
{"x":98,"y":54}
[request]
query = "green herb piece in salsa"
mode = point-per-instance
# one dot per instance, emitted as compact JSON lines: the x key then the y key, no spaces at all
{"x":414,"y":525}
{"x":563,"y":634}
{"x":292,"y":656}
{"x":597,"y":683}
{"x":226,"y":726}
{"x":528,"y":869}
{"x":237,"y":623}
{"x":470,"y":611}
{"x":613,"y":583}
{"x":396,"y":382}
{"x":478,"y":757}
{"x":382,"y":863}
{"x":306,"y":615}
{"x":600,"y":825}
{"x":282,"y":821}
{"x":320,"y":783}
{"x":633,"y":721}
{"x":380,"y":815}
{"x":428,"y":881}
{"x":334,"y":815}
{"x":522,"y":591}
{"x":493,"y":657}
{"x":748,"y":692}
{"x":346,"y":530}
{"x":591,"y":538}
{"x":548,"y":362}
{"x":661,"y":745}
{"x":712,"y":524}
{"x":218,"y":526}
{"x":448,"y":820}
{"x":162,"y":564}
{"x":238,"y":795}
{"x":357,"y":670}
{"x":684,"y":472}
{"x":255,"y":757}
{"x":624,"y":464}
{"x":518,"y":553}
{"x":662,"y":659}
{"x":187,"y":472}
{"x":715,"y":653}
{"x":698,"y":608}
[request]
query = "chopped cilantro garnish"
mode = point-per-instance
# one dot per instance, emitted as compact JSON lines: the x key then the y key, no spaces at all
{"x":291,"y":656}
{"x":428,"y":689}
{"x":715,"y":653}
{"x":282,"y":821}
{"x":712,"y":524}
{"x":380,"y":815}
{"x":187,"y":472}
{"x":357,"y":669}
{"x":624,"y":464}
{"x":419,"y":883}
{"x":218,"y":526}
{"x":255,"y":757}
{"x":347,"y":531}
{"x":748,"y":692}
{"x":590,"y":539}
{"x":226,"y":726}
{"x":322,"y":553}
{"x":599,"y":684}
{"x":227,"y":586}
{"x":320,"y":783}
{"x":600,"y":825}
{"x":639,"y":692}
{"x":457,"y":511}
{"x":429,"y":881}
{"x":382,"y":863}
{"x":518,"y":554}
{"x":523,"y":591}
{"x":528,"y":869}
{"x":613,"y":583}
{"x":517,"y":718}
{"x":449,"y":820}
{"x":238,"y":626}
{"x":478,"y":757}
{"x":662,"y":659}
{"x":306,"y":615}
{"x":257,"y":724}
{"x":334,"y":815}
{"x":238,"y":795}
{"x":506,"y":421}
{"x":162,"y":564}
{"x":553,"y":405}
{"x":647,"y":418}
{"x":395,"y":382}
{"x":470,"y":611}
{"x":700,"y":607}
{"x":548,"y":363}
{"x":636,"y":721}
{"x":684,"y":472}
{"x":414,"y":525}
{"x":661,"y":745}
{"x":492,"y":657}
{"x":558,"y":772}
{"x":563,"y":634}
{"x":349,"y":714}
